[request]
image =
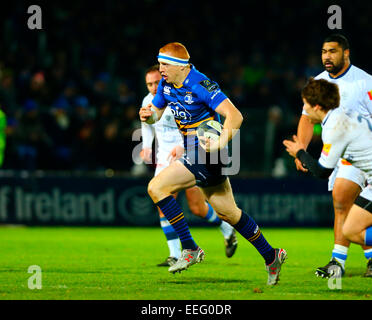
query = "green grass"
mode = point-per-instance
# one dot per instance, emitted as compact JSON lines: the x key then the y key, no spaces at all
{"x":119,"y":263}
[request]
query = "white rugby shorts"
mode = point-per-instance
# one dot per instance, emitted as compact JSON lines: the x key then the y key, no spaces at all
{"x":162,"y":162}
{"x":367,"y":193}
{"x":346,"y":171}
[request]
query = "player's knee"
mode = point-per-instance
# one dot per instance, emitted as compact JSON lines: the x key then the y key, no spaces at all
{"x":153,"y":189}
{"x":342,"y":201}
{"x":196,"y":210}
{"x":344,"y":195}
{"x":346,"y":231}
{"x":349,"y":233}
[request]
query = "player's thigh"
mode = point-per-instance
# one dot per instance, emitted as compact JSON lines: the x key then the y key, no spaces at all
{"x":172,"y":179}
{"x":222,"y":200}
{"x":357,"y":220}
{"x":344,"y":193}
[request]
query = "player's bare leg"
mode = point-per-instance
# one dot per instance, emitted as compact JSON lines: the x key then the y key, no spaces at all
{"x":355,"y":226}
{"x":198,"y":206}
{"x":172,"y":179}
{"x":344,"y":194}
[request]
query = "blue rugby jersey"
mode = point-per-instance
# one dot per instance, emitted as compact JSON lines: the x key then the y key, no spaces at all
{"x":192,"y":103}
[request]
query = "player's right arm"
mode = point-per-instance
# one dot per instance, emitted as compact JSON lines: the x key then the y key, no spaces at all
{"x":148,"y":135}
{"x":150,"y":114}
{"x":154,"y":110}
{"x":305,"y":131}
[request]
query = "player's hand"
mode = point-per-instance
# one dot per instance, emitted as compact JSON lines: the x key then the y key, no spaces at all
{"x":175,"y":153}
{"x":299,"y":166}
{"x":145,"y":113}
{"x":145,"y":155}
{"x":209,"y":145}
{"x":292,"y":147}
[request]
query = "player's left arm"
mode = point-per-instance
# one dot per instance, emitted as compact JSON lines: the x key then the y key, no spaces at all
{"x":232,"y":123}
{"x":322,"y":168}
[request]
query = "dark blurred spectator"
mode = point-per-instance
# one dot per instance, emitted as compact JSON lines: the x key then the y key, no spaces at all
{"x":7,"y":92}
{"x":82,"y":76}
{"x":57,"y":125}
{"x":33,"y":144}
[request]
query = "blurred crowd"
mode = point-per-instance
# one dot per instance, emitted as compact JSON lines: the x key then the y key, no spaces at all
{"x":72,"y":90}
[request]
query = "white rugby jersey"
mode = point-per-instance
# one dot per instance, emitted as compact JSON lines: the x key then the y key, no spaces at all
{"x":355,"y":86}
{"x":166,"y":131}
{"x":347,"y":136}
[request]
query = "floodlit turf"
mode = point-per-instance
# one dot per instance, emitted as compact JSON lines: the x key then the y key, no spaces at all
{"x":120,"y":263}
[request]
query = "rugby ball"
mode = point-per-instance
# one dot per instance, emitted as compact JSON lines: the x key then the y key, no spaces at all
{"x":209,"y":129}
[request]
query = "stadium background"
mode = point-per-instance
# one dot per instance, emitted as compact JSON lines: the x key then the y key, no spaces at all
{"x":72,"y":90}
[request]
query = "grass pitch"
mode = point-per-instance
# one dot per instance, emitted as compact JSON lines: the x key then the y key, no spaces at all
{"x":120,"y":263}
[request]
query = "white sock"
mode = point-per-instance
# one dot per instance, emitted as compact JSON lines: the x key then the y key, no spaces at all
{"x":226,"y":229}
{"x":174,"y":248}
{"x":340,"y":254}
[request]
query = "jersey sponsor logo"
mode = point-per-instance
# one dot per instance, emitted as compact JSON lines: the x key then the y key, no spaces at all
{"x":179,"y":112}
{"x":167,"y":90}
{"x":209,"y":85}
{"x":370,"y":95}
{"x":326,"y":148}
{"x":188,"y":98}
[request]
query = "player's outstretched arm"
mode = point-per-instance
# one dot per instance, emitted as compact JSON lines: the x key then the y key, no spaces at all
{"x":305,"y":131}
{"x":296,"y":149}
{"x":233,"y":121}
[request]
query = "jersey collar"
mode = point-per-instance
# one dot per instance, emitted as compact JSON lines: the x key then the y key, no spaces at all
{"x":326,"y":117}
{"x":342,"y":74}
{"x":187,"y":79}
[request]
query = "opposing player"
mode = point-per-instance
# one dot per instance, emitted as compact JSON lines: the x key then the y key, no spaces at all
{"x":346,"y":180}
{"x":170,"y":148}
{"x":193,"y":99}
{"x":345,"y":135}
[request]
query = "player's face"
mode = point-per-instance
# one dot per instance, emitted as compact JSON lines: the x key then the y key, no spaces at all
{"x":333,"y":57}
{"x":152,"y":81}
{"x":169,"y":72}
{"x":312,"y":112}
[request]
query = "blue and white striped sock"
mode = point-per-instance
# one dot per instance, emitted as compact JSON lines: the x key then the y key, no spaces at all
{"x":340,"y":254}
{"x":368,"y":237}
{"x":212,"y":216}
{"x":368,"y":254}
{"x":172,"y":210}
{"x":172,"y":238}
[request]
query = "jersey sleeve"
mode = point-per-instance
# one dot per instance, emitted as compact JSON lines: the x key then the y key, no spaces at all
{"x":367,"y":96}
{"x":334,"y":146}
{"x":148,"y":134}
{"x":159,"y":100}
{"x":211,"y":93}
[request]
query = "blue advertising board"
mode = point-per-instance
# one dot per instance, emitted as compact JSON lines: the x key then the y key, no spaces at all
{"x":57,"y":200}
